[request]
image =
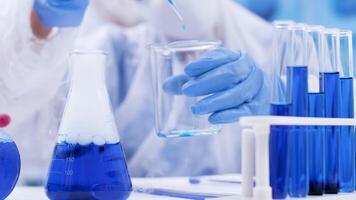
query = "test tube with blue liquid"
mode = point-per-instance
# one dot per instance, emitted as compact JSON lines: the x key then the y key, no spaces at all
{"x":297,"y":93}
{"x":316,"y":108}
{"x":88,"y":160}
{"x":331,"y":87}
{"x":280,"y":105}
{"x":347,"y":135}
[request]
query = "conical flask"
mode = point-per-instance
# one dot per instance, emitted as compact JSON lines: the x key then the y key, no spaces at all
{"x":88,"y":160}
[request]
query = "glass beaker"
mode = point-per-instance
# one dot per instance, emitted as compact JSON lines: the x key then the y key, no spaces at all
{"x":173,"y":115}
{"x":88,"y":160}
{"x":10,"y":163}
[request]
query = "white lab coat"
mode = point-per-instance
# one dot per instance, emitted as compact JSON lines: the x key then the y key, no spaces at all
{"x":130,"y":88}
{"x":32,"y":70}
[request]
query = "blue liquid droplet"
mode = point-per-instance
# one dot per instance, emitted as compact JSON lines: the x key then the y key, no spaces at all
{"x":184,"y":27}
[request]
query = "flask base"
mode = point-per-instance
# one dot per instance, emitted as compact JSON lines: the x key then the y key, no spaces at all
{"x":88,"y":172}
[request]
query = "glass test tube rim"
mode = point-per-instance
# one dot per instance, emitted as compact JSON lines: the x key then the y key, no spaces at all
{"x":315,"y":28}
{"x":331,"y":31}
{"x":298,"y":27}
{"x":278,"y":23}
{"x":87,"y":51}
{"x":191,"y":45}
{"x":184,"y":46}
{"x":345,"y":32}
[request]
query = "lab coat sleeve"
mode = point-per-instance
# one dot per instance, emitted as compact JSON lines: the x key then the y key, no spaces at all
{"x":31,"y":73}
{"x":31,"y":69}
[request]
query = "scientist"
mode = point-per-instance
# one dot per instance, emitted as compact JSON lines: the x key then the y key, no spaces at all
{"x":32,"y":58}
{"x":34,"y":82}
{"x":233,"y":76}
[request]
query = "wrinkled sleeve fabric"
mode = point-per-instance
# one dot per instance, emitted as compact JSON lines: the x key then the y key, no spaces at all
{"x":31,"y":74}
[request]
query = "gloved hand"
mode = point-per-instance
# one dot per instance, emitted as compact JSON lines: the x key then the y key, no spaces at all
{"x":235,"y":85}
{"x":60,"y":13}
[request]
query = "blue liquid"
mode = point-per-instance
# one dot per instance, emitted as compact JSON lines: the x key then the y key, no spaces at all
{"x":188,"y":133}
{"x":297,"y":87}
{"x":10,"y":166}
{"x":316,"y":144}
{"x":332,"y":89}
{"x":347,"y":138}
{"x":88,"y":172}
{"x":278,"y":148}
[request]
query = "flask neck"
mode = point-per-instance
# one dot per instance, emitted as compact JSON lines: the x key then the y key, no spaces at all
{"x":87,"y":72}
{"x":88,"y":117}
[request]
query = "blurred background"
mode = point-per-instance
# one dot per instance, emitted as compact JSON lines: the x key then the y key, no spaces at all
{"x":329,"y":13}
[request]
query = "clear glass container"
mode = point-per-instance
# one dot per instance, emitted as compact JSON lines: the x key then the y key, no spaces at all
{"x":331,"y":87}
{"x":173,"y":115}
{"x":316,"y":108}
{"x":279,"y":135}
{"x":88,"y":160}
{"x":347,"y":136}
{"x":297,"y":90}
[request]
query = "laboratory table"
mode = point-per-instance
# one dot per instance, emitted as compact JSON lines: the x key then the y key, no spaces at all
{"x":224,"y":187}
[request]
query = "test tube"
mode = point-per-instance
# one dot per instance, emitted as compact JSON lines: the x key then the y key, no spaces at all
{"x":347,"y":136}
{"x":331,"y":87}
{"x":297,"y":90}
{"x":278,"y":146}
{"x":316,"y":108}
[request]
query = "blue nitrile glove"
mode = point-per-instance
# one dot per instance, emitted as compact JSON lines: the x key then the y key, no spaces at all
{"x":60,"y":13}
{"x":235,"y":85}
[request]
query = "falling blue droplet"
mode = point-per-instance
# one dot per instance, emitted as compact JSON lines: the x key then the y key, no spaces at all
{"x":184,"y":27}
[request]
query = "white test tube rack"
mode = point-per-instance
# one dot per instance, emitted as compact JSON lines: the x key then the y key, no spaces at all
{"x":255,"y":152}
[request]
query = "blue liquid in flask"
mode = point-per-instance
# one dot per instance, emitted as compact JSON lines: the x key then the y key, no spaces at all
{"x":10,"y":166}
{"x":347,"y":138}
{"x":316,"y":144}
{"x":297,"y":87}
{"x":278,"y":151}
{"x":88,"y":172}
{"x":332,"y":90}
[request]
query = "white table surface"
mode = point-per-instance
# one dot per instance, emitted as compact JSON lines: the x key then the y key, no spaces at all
{"x":177,"y":184}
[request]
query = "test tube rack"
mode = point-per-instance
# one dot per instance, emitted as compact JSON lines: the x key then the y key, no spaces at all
{"x":255,"y":153}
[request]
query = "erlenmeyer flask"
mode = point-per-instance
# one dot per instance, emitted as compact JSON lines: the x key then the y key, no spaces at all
{"x":10,"y":162}
{"x":88,"y":160}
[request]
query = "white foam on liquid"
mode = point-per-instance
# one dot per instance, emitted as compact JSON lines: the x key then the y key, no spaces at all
{"x":88,"y":117}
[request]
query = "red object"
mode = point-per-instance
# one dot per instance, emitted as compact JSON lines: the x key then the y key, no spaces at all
{"x":5,"y":120}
